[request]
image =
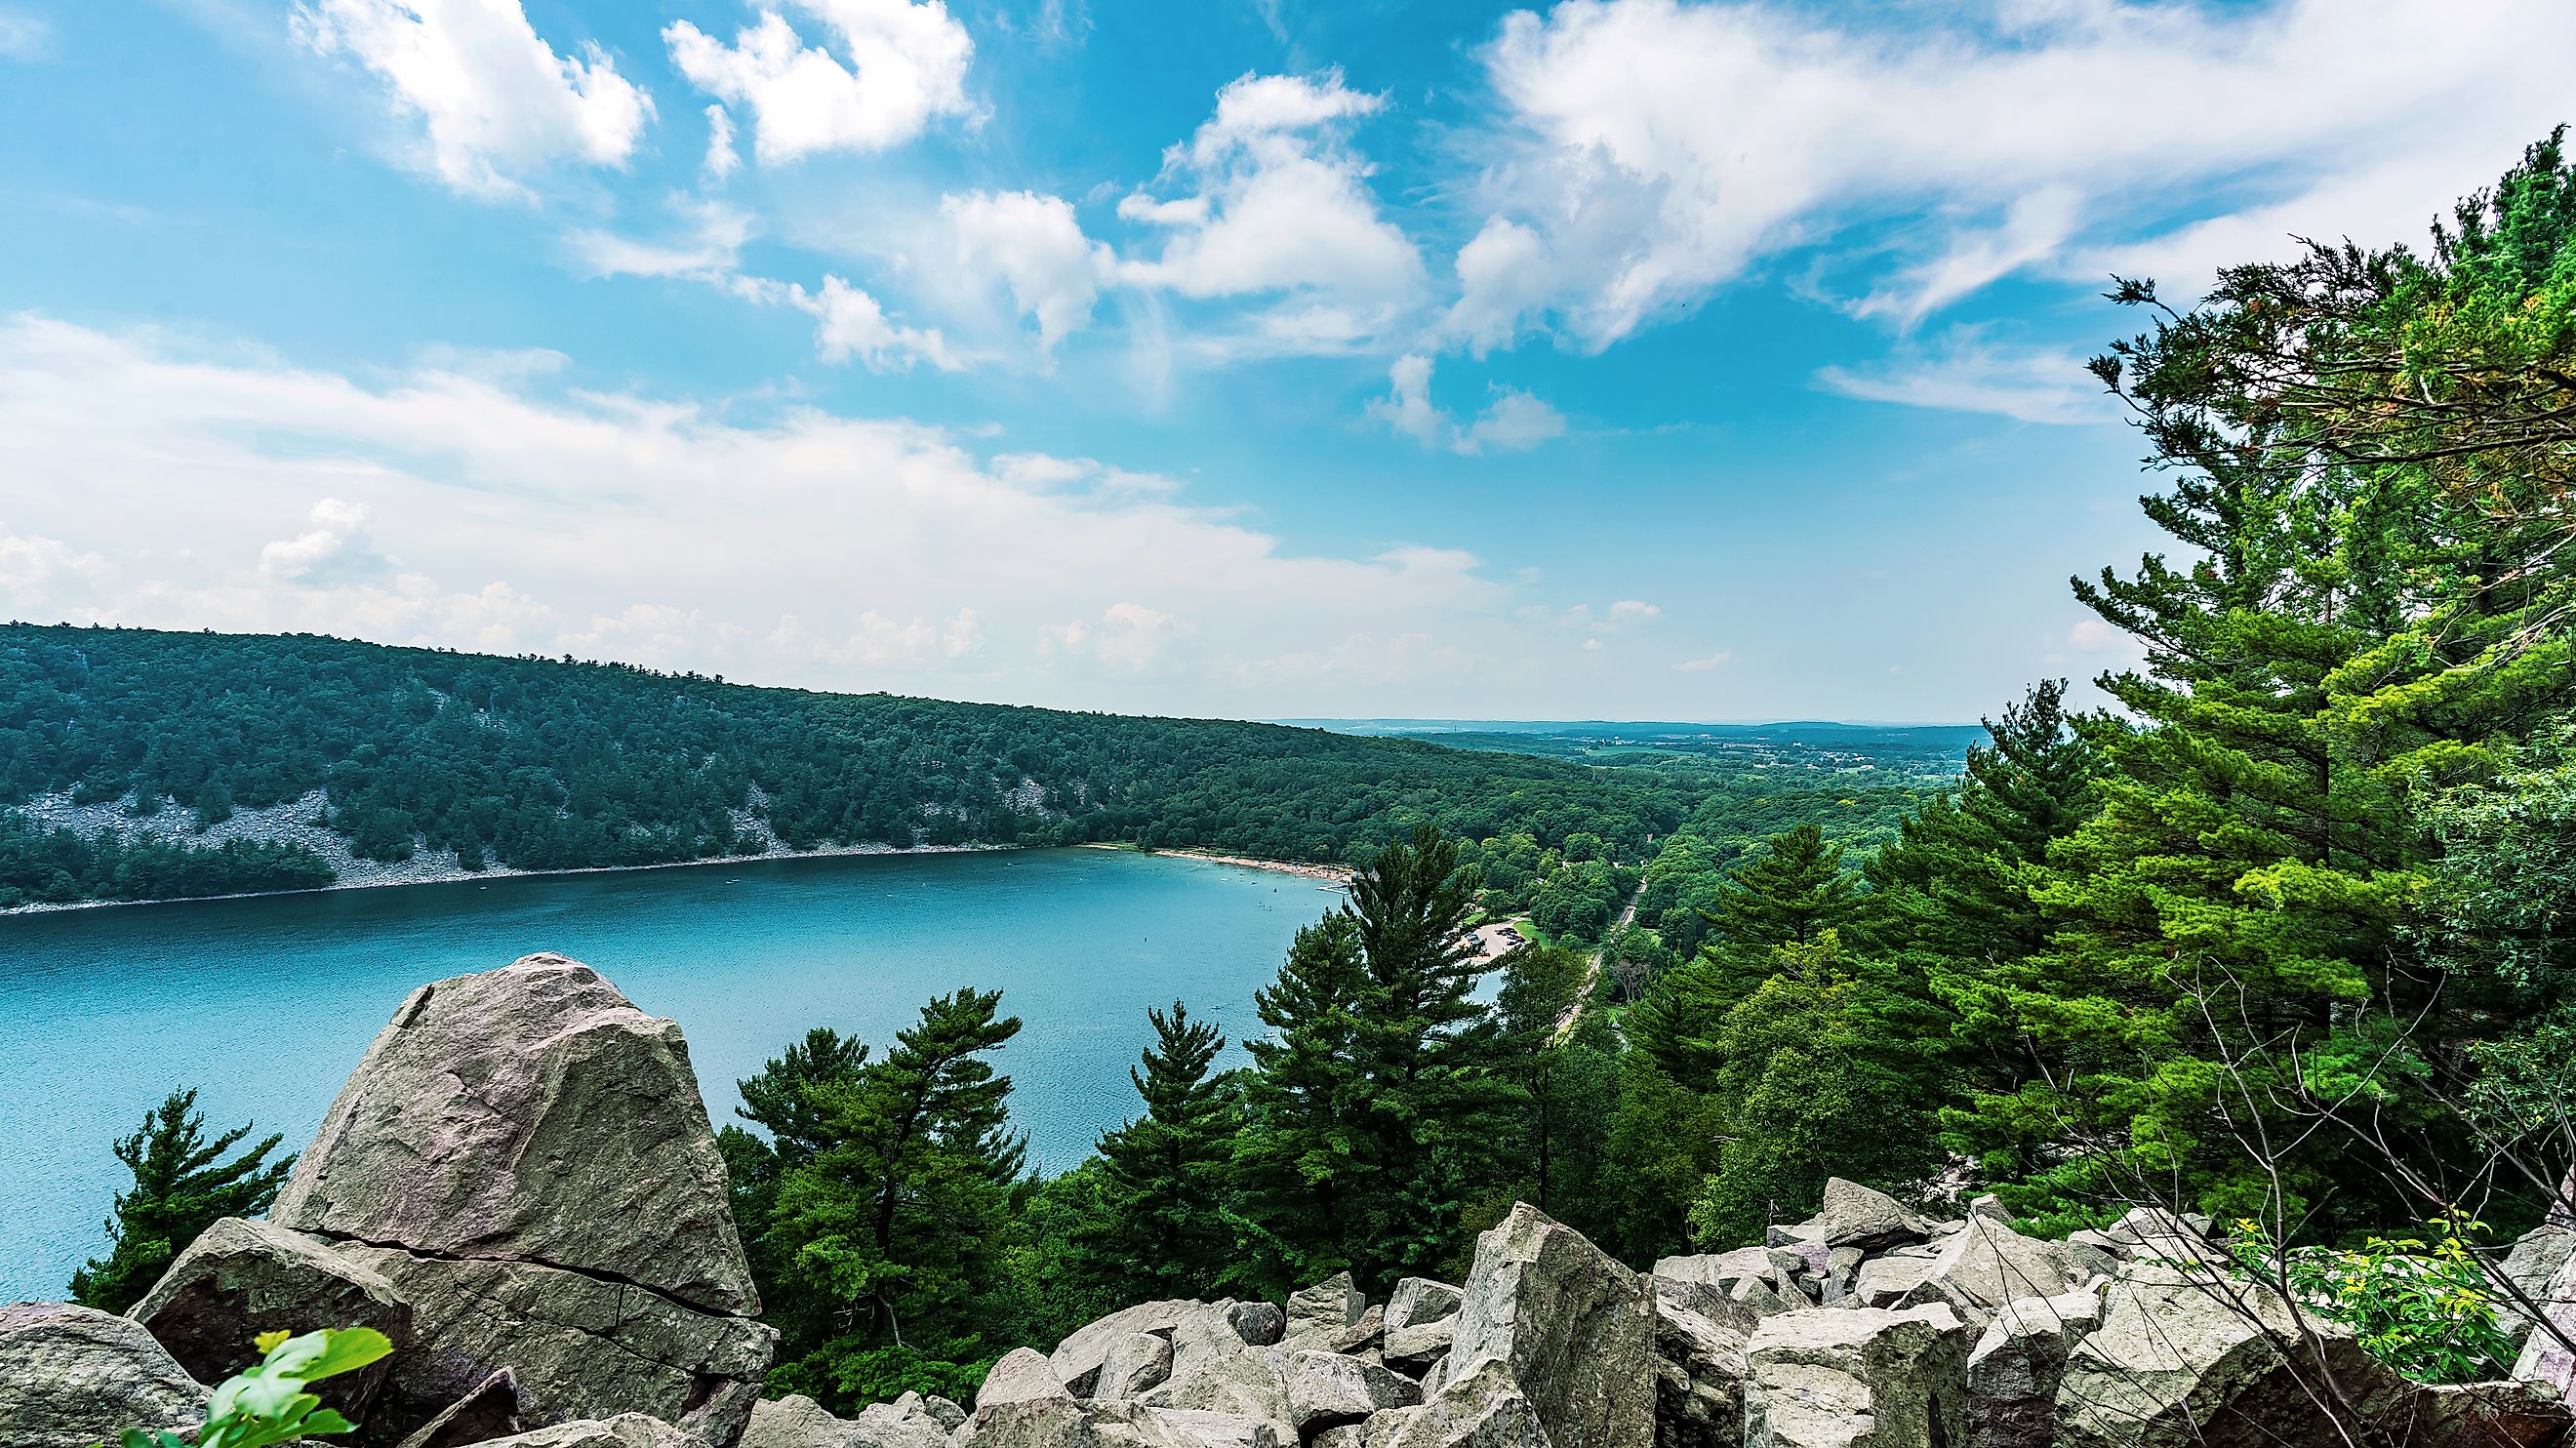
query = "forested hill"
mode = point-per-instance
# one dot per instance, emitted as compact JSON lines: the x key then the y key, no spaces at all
{"x":545,"y":764}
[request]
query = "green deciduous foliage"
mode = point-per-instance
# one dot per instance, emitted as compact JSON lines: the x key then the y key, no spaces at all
{"x":183,"y":1184}
{"x":266,"y":1403}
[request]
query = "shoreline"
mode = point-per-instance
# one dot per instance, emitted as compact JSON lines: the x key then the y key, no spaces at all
{"x":453,"y":875}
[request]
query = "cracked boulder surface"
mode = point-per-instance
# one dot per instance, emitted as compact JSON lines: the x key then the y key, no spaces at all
{"x":523,"y":1162}
{"x":529,"y":1114}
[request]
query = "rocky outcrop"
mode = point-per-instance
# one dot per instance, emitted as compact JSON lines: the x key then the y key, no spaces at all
{"x":242,"y":1278}
{"x":1135,"y":1364}
{"x":1324,"y":1310}
{"x":1571,"y":1324}
{"x":2546,"y":1358}
{"x":71,"y":1377}
{"x":1857,"y":1378}
{"x":1699,"y":1379}
{"x":519,"y":1178}
{"x":2187,"y":1358}
{"x":490,"y":1411}
{"x":797,"y":1421}
{"x":1485,"y":1407}
{"x":530,"y":1114}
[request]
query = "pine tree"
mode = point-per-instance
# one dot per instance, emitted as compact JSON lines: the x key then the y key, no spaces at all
{"x":1561,"y":1056}
{"x":182,"y":1185}
{"x":1295,"y":1166}
{"x":902,"y":1213}
{"x":1793,"y":891}
{"x":1429,"y":1055}
{"x":1160,"y":1229}
{"x":2370,"y":609}
{"x":781,"y":1100}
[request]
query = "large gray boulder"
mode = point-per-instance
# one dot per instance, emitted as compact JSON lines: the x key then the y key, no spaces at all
{"x":1136,"y":1363}
{"x":1413,"y":1349}
{"x":1078,"y":1358}
{"x":529,"y":1114}
{"x":522,"y":1157}
{"x":1834,"y":1377}
{"x":1986,"y":1264}
{"x":579,"y":1346}
{"x":2187,"y":1356}
{"x":1326,"y":1390}
{"x":1417,"y":1300}
{"x":797,"y":1421}
{"x":1571,"y":1325}
{"x":1723,"y":1270}
{"x":72,"y":1376}
{"x":1250,"y":1382}
{"x":1481,"y":1408}
{"x":2015,"y":1368}
{"x":1022,"y":1376}
{"x":2534,"y":1263}
{"x":1035,"y":1423}
{"x":1857,"y":1216}
{"x":1324,"y":1309}
{"x":2545,"y":1357}
{"x":243,"y":1277}
{"x":1699,"y":1380}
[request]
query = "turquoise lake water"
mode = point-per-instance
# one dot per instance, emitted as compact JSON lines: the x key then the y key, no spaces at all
{"x":266,"y":1004}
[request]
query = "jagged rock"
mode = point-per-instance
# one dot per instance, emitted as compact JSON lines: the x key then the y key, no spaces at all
{"x":1057,"y":1422}
{"x":241,"y":1278}
{"x":2098,"y":1240}
{"x":1022,"y":1376}
{"x":1704,"y":1300}
{"x":1859,"y":1216}
{"x":1325,"y":1308}
{"x":1842,"y":1269}
{"x":580,"y":1346}
{"x":1250,"y":1382}
{"x":1572,"y":1326}
{"x":1986,"y":1265}
{"x":1417,"y":1300}
{"x":903,"y":1423}
{"x":1699,"y":1380}
{"x":1134,"y":1363}
{"x":72,"y":1376}
{"x":1260,"y":1323}
{"x":1886,"y":1281}
{"x":2533,"y":1263}
{"x":1327,"y":1389}
{"x":490,"y":1411}
{"x":1793,"y":1234}
{"x":2192,"y":1357}
{"x":1204,"y":1333}
{"x":1857,"y":1378}
{"x":1762,"y":1298}
{"x":1360,"y":1336}
{"x":1992,"y":1208}
{"x":796,"y":1421}
{"x":1483,"y":1408}
{"x":1127,"y":1425}
{"x":626,"y":1430}
{"x":523,"y":1156}
{"x":2545,"y":1359}
{"x":2014,"y":1369}
{"x":2479,"y":1415}
{"x":943,"y":1412}
{"x":1077,"y":1359}
{"x":534,"y":1114}
{"x":1721,"y":1270}
{"x":1412,"y":1349}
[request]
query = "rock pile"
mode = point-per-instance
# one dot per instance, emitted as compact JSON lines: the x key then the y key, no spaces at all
{"x":518,"y":1186}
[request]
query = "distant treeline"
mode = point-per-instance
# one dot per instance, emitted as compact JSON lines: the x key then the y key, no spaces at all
{"x":549,"y":764}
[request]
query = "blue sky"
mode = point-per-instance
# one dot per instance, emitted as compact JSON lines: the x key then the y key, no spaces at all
{"x":1625,"y":358}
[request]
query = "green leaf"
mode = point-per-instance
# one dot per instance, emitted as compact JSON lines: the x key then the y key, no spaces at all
{"x":345,"y":1349}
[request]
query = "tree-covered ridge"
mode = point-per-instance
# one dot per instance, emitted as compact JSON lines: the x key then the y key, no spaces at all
{"x":549,"y":764}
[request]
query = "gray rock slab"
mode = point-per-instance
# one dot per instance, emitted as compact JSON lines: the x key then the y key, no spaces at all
{"x":1571,"y":1325}
{"x":73,"y":1376}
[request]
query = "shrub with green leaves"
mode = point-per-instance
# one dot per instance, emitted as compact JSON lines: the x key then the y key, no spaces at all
{"x":2422,"y":1308}
{"x":266,"y":1403}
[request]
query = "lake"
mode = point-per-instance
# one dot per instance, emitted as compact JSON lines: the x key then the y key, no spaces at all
{"x":266,"y":1004}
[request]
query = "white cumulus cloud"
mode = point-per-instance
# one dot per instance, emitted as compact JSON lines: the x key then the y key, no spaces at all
{"x":496,"y":102}
{"x":899,"y":64}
